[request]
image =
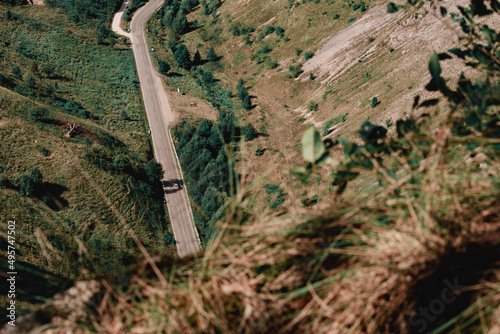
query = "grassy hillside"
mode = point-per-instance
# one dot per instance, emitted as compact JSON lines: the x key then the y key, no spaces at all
{"x":415,"y":252}
{"x":333,"y":64}
{"x":76,"y":165}
{"x":384,"y":221}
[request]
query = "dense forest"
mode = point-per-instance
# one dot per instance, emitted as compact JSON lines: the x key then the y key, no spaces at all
{"x":208,"y":169}
{"x":86,"y":11}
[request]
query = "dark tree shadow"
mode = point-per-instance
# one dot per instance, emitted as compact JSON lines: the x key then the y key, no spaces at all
{"x":33,"y":284}
{"x":173,"y":74}
{"x":51,"y":193}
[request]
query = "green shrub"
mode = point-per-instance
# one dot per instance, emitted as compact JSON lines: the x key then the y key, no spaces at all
{"x":122,"y":164}
{"x":272,"y":64}
{"x":163,"y":67}
{"x":271,"y":188}
{"x":276,"y":203}
{"x":279,"y":31}
{"x":269,"y":30}
{"x":360,"y":5}
{"x":247,"y":40}
{"x":249,"y":132}
{"x":312,"y":106}
{"x":336,"y":16}
{"x":392,"y":8}
{"x":38,"y":114}
{"x":295,"y":70}
{"x":31,"y":183}
{"x":16,"y":71}
{"x":308,"y":55}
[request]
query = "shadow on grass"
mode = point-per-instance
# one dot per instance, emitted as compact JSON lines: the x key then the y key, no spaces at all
{"x":52,"y":196}
{"x":33,"y":285}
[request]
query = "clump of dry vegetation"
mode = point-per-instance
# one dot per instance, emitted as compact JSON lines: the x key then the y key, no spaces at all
{"x":358,"y":267}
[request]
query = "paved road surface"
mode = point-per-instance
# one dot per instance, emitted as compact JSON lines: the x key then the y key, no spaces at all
{"x":159,"y":114}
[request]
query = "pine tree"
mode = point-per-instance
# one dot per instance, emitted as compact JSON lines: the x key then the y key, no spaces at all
{"x":31,"y":182}
{"x":208,"y":78}
{"x":206,"y":8}
{"x":180,"y":23}
{"x":168,"y":18}
{"x":154,"y":171}
{"x":181,"y":56}
{"x":246,"y":103}
{"x":241,"y":90}
{"x":211,"y":55}
{"x":163,"y":67}
{"x":249,"y":132}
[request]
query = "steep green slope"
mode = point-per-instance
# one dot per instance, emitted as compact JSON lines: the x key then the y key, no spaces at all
{"x":417,"y":252}
{"x":76,"y":165}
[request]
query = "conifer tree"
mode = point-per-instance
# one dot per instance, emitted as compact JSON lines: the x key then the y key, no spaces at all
{"x":180,"y":23}
{"x":211,"y":55}
{"x":246,"y":103}
{"x":181,"y":56}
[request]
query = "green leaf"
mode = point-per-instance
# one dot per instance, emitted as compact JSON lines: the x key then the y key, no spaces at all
{"x":435,"y":67}
{"x":312,"y":145}
{"x":489,"y":34}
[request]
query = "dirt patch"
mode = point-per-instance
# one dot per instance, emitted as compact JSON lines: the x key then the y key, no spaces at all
{"x":412,"y":39}
{"x":76,"y":129}
{"x":38,"y":2}
{"x":344,"y":49}
{"x":187,"y":106}
{"x":4,"y":123}
{"x":7,"y":122}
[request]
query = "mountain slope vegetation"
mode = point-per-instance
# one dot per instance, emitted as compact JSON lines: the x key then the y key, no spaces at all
{"x":359,"y":191}
{"x":77,"y":171}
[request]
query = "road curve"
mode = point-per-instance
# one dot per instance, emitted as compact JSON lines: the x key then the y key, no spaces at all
{"x":159,"y":114}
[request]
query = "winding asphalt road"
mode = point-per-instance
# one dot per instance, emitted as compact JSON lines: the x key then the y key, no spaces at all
{"x":159,"y":114}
